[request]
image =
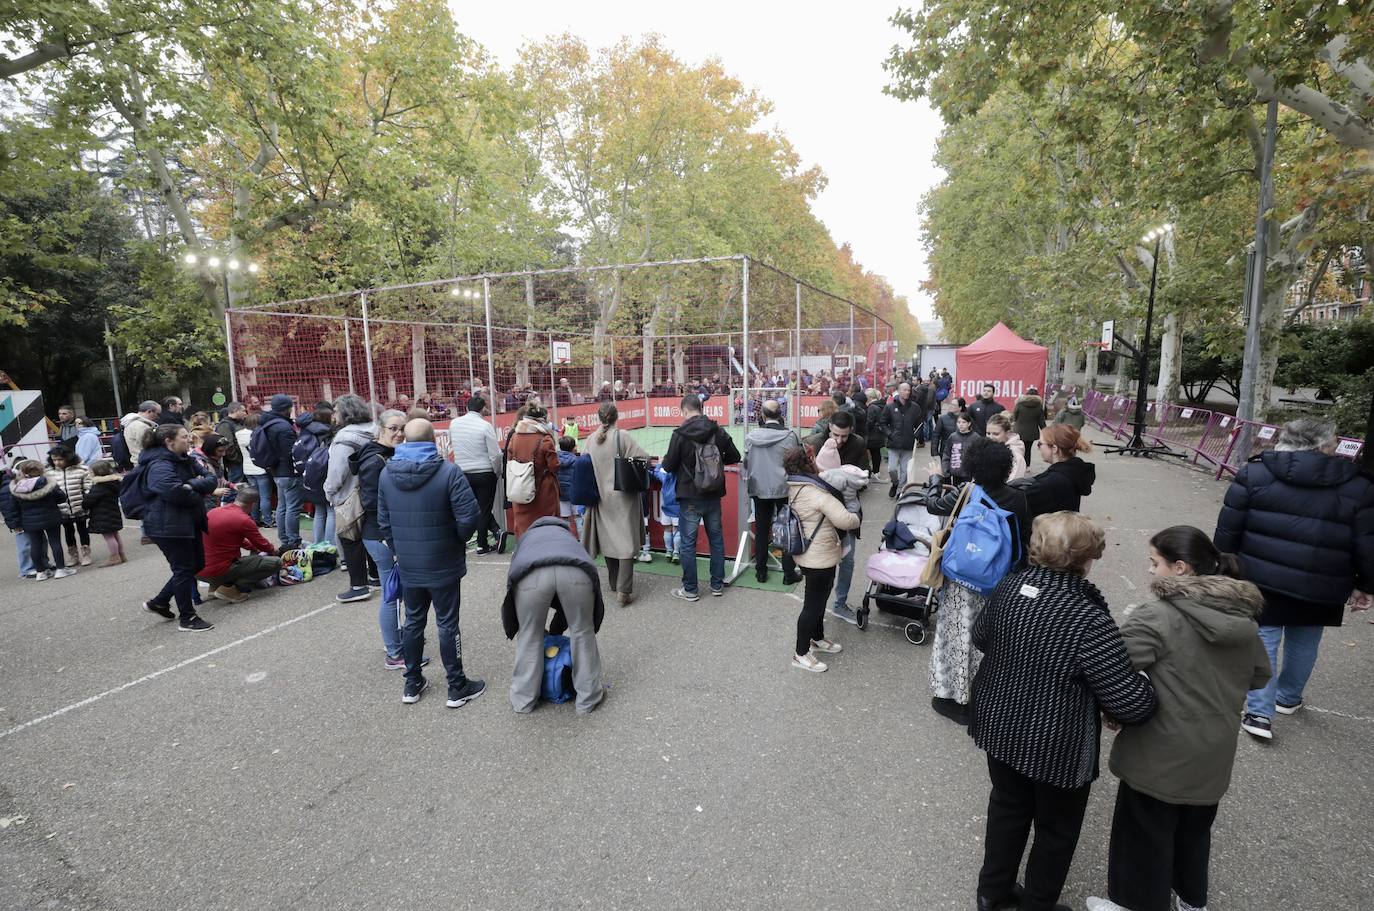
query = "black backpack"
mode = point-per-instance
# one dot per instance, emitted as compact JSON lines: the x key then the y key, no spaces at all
{"x":119,"y":452}
{"x":260,"y":449}
{"x":707,"y":473}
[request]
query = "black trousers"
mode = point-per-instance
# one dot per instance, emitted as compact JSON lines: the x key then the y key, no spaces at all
{"x":483,"y":484}
{"x":76,"y":527}
{"x":185,"y":557}
{"x":875,"y":458}
{"x":356,"y":557}
{"x":1027,"y":444}
{"x":1158,"y":848}
{"x":764,"y":510}
{"x":811,"y":622}
{"x":1014,"y":804}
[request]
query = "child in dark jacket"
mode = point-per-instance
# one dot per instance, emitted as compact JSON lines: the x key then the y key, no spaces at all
{"x":102,"y":509}
{"x":567,"y":458}
{"x":34,"y":507}
{"x":952,"y":455}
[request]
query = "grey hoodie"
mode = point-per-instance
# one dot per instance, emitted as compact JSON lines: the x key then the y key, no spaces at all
{"x":764,"y":448}
{"x":340,"y":480}
{"x":1200,"y":646}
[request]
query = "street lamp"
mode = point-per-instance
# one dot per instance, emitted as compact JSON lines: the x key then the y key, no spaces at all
{"x":222,"y":268}
{"x":1137,"y":446}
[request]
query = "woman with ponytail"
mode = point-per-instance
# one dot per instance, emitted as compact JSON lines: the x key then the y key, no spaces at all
{"x":1067,"y":480}
{"x":614,"y":528}
{"x":1199,"y":644}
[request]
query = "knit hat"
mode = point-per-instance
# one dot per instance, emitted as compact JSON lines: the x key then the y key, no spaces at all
{"x":281,"y":403}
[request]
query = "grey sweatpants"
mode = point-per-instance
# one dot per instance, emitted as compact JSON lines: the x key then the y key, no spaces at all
{"x":533,"y":601}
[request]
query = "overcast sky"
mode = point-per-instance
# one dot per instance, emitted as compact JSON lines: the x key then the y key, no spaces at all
{"x":824,"y":76}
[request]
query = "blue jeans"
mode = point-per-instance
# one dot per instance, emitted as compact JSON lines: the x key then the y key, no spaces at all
{"x":693,"y":512}
{"x":897,"y":460}
{"x":389,"y":615}
{"x":289,"y":498}
{"x":323,"y":523}
{"x":264,"y":486}
{"x":25,"y":554}
{"x":235,"y":474}
{"x":844,"y":573}
{"x":1300,"y":644}
{"x":445,"y":599}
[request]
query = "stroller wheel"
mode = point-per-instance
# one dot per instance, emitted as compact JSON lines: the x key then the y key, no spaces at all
{"x":915,"y":633}
{"x":861,"y":616}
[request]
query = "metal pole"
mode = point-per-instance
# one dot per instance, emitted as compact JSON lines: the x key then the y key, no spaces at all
{"x":491,"y":366}
{"x":114,"y":374}
{"x":872,"y":369}
{"x":1255,"y":291}
{"x":348,"y":357}
{"x":367,"y":352}
{"x":1142,"y":379}
{"x":744,"y":362}
{"x":229,"y":346}
{"x":796,"y":364}
{"x":851,"y":345}
{"x":553,"y":386}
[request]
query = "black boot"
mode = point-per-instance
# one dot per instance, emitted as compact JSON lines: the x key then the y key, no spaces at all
{"x":761,"y":574}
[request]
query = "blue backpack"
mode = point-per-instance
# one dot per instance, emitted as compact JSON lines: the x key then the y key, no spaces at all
{"x":558,"y":683}
{"x":584,"y":489}
{"x":119,"y":451}
{"x":133,"y":492}
{"x":983,"y":545}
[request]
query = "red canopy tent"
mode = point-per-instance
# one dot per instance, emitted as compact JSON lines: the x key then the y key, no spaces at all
{"x":1006,"y":360}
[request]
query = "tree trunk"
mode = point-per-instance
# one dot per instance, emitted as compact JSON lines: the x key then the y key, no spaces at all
{"x":606,"y":311}
{"x":1090,"y":369}
{"x":1170,"y":362}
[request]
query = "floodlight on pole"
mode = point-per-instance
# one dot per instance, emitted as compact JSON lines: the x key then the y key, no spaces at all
{"x":213,"y":262}
{"x":190,"y":259}
{"x":232,"y":265}
{"x":253,"y":268}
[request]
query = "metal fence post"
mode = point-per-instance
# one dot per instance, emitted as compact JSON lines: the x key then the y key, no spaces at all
{"x":229,"y":345}
{"x":367,"y":351}
{"x":553,"y":385}
{"x":348,"y":355}
{"x":744,"y":357}
{"x":797,"y":389}
{"x":491,"y":365}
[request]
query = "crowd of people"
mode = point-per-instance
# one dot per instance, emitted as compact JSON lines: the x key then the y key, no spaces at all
{"x":1031,"y":661}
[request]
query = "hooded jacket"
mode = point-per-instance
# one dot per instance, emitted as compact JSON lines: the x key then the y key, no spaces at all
{"x":1302,"y":524}
{"x":426,"y":509}
{"x":903,"y":421}
{"x":1200,"y":645}
{"x":34,"y":504}
{"x":102,"y":505}
{"x":367,"y":463}
{"x":340,"y":479}
{"x":281,"y":436}
{"x":1062,"y":486}
{"x":176,"y":494}
{"x":681,"y":458}
{"x":1071,"y":415}
{"x":1027,"y":417}
{"x":229,"y":429}
{"x":87,"y":445}
{"x":945,"y":427}
{"x":133,"y":426}
{"x":547,"y":543}
{"x":764,"y":448}
{"x":980,"y":409}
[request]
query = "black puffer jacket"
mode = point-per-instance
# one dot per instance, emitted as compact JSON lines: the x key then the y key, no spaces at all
{"x":367,"y":464}
{"x":903,"y":422}
{"x":1061,"y":486}
{"x":1302,"y":524}
{"x":873,"y":424}
{"x":102,"y":505}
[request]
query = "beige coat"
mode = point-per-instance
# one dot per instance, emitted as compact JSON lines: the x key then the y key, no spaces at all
{"x":615,"y":527}
{"x":811,"y":504}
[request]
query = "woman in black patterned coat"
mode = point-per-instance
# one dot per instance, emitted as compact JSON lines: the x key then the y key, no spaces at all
{"x":1053,"y":659}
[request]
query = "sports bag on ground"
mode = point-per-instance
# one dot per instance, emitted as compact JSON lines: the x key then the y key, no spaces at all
{"x":983,"y":544}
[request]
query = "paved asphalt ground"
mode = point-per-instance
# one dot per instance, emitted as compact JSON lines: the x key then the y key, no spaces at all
{"x":271,"y":764}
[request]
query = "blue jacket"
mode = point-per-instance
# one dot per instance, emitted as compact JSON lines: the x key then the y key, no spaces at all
{"x":667,"y":498}
{"x":176,"y":494}
{"x":426,"y":509}
{"x":281,"y":436}
{"x":9,"y":509}
{"x":1302,"y":524}
{"x":566,"y":461}
{"x":36,"y":510}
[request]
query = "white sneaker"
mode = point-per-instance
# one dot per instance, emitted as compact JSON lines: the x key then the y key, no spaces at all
{"x":808,"y":662}
{"x":645,"y":557}
{"x":44,"y":576}
{"x":826,"y":647}
{"x":64,"y":572}
{"x":1103,"y":904}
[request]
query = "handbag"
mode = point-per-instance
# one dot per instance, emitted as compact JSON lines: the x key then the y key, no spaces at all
{"x":934,"y":577}
{"x":631,"y":475}
{"x":348,"y":516}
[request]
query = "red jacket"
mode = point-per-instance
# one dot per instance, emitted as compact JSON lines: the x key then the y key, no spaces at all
{"x":230,"y":529}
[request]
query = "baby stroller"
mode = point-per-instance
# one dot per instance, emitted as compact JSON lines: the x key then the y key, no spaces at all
{"x":894,"y":576}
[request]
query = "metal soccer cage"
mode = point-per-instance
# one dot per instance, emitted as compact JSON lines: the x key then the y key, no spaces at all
{"x":570,"y":337}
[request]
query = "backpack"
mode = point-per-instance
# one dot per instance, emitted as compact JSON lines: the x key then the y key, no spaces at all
{"x":133,"y":492}
{"x":707,"y":473}
{"x":557,"y":685}
{"x":521,"y":486}
{"x":984,"y":543}
{"x":315,"y":469}
{"x":787,"y":532}
{"x":260,"y":449}
{"x":119,"y":452}
{"x":584,"y":489}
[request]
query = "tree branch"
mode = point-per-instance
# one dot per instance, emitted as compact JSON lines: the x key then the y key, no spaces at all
{"x":1347,"y":127}
{"x":302,"y":213}
{"x":1311,"y":296}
